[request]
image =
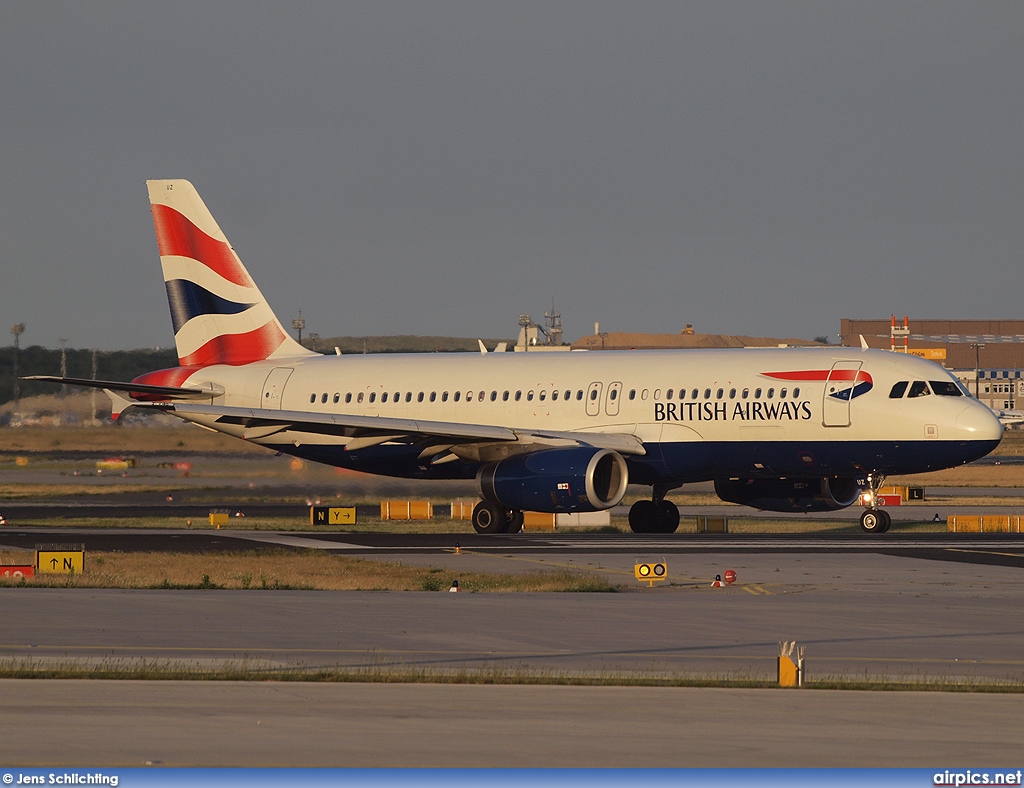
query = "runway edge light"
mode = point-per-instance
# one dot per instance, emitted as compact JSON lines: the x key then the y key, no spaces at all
{"x":650,"y":572}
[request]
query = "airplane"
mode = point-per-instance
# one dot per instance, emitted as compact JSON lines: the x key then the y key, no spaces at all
{"x":778,"y":429}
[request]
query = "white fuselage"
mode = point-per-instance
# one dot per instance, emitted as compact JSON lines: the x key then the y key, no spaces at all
{"x":699,"y":413}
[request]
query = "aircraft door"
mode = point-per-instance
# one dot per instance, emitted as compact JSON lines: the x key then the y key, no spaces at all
{"x":594,"y":399}
{"x":839,"y":387}
{"x":273,"y":388}
{"x":611,"y":405}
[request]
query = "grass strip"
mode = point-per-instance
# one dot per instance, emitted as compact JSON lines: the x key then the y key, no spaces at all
{"x":289,"y":570}
{"x":150,"y":670}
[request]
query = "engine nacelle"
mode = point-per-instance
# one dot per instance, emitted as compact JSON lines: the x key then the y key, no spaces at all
{"x":790,"y":495}
{"x":556,"y":480}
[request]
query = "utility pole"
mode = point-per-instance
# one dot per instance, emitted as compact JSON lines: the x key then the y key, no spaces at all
{"x":63,"y":366}
{"x":17,"y":329}
{"x":92,"y":390}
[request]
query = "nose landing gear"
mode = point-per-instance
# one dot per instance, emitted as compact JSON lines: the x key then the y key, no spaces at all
{"x":874,"y":520}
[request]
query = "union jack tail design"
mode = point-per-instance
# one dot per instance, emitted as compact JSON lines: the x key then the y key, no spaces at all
{"x":218,"y":313}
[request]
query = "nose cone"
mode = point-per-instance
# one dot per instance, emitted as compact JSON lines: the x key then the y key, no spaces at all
{"x":976,"y":423}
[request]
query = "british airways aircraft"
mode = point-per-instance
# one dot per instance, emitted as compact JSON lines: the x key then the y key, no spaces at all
{"x":781,"y":429}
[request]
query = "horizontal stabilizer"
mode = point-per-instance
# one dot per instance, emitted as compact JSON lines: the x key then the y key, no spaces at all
{"x":171,"y":392}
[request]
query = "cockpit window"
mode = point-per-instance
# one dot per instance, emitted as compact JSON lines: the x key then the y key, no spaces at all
{"x":899,"y":390}
{"x":945,"y":388}
{"x":919,"y":389}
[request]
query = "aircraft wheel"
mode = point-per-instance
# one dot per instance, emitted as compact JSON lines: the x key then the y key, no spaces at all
{"x":886,"y":520}
{"x":643,"y":517}
{"x":489,"y":518}
{"x":873,"y":521}
{"x":515,"y":521}
{"x":668,"y":522}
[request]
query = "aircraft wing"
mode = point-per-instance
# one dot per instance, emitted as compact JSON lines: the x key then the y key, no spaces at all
{"x":365,"y":431}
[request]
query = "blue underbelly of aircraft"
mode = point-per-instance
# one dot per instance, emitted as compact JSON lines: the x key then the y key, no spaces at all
{"x":696,"y":461}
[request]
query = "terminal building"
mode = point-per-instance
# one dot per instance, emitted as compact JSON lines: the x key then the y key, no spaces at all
{"x":986,"y":355}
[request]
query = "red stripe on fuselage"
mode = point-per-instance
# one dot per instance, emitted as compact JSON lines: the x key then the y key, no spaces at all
{"x":822,"y":374}
{"x":176,"y":235}
{"x":237,"y":349}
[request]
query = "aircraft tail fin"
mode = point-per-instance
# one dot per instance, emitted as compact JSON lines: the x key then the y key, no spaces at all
{"x":218,"y":313}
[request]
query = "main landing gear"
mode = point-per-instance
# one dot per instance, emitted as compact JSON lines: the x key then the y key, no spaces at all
{"x":874,"y":520}
{"x":492,"y":518}
{"x":656,"y":516}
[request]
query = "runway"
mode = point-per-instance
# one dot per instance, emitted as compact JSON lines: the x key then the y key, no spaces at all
{"x":858,"y":614}
{"x":170,"y":723}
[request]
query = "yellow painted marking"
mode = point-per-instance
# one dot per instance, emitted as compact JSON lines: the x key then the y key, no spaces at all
{"x":983,"y":552}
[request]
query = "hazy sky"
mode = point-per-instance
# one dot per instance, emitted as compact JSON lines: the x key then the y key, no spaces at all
{"x":759,"y":168}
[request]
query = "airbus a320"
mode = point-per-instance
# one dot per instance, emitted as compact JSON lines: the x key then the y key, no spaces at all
{"x":780,"y":429}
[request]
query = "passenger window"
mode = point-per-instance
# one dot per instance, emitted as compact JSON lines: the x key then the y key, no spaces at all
{"x":408,"y":396}
{"x":433,"y":396}
{"x":494,"y":396}
{"x":707,"y":393}
{"x":554,"y":394}
{"x":348,"y":398}
{"x":469,"y":396}
{"x":593,"y":395}
{"x":796,"y":393}
{"x":458,"y":395}
{"x":419,"y":397}
{"x":657,"y":394}
{"x":614,"y":394}
{"x":519,"y":396}
{"x":373,"y":396}
{"x":718,"y":394}
{"x":529,"y":396}
{"x":668,"y":394}
{"x":312,"y":398}
{"x":504,"y":396}
{"x":918,"y":389}
{"x":480,"y":396}
{"x":899,"y":389}
{"x":782,"y":393}
{"x":746,"y":393}
{"x":771,"y":393}
{"x":337,"y":398}
{"x":757,"y":393}
{"x":543,"y":396}
{"x":682,"y":393}
{"x":579,"y":394}
{"x":632,"y":393}
{"x":947,"y":388}
{"x":444,"y":396}
{"x":693,"y":394}
{"x":359,"y":398}
{"x":384,"y":397}
{"x":732,"y":393}
{"x":567,"y":396}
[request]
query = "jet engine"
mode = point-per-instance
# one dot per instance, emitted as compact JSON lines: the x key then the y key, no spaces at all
{"x":581,"y":479}
{"x":790,"y":495}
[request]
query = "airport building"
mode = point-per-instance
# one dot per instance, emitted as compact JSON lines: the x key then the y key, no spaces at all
{"x":987,"y":355}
